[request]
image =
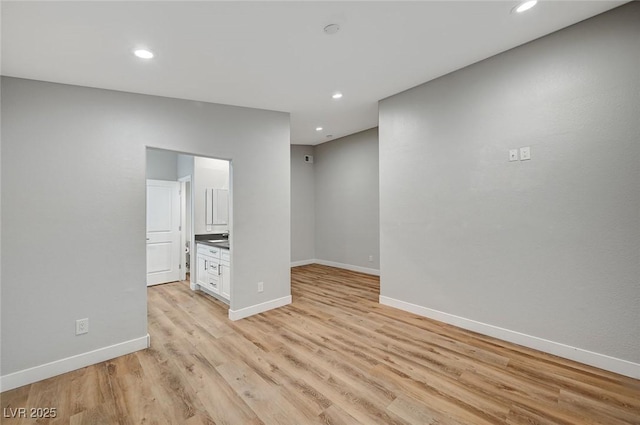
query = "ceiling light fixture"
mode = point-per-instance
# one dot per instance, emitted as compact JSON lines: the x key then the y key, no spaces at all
{"x":524,"y":6}
{"x":143,"y":53}
{"x":337,"y":95}
{"x":318,"y":128}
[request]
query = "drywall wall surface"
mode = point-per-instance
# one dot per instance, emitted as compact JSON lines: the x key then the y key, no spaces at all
{"x":209,"y":173}
{"x":548,"y":247}
{"x":302,"y":205}
{"x":0,"y":233}
{"x":185,"y":165}
{"x":347,"y":200}
{"x":162,"y":165}
{"x":94,"y":141}
{"x":185,"y":169}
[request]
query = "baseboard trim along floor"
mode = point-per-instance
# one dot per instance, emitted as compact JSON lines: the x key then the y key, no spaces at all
{"x":302,"y":263}
{"x":366,"y":270}
{"x":602,"y":361}
{"x":259,"y":308}
{"x":58,"y":367}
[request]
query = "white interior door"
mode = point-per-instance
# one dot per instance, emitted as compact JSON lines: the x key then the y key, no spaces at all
{"x":163,"y":232}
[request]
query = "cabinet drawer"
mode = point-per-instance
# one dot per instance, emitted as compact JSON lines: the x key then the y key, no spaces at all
{"x":212,"y":284}
{"x":213,"y":270}
{"x":208,"y":250}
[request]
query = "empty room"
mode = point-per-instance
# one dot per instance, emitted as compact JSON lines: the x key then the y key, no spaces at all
{"x":320,"y":212}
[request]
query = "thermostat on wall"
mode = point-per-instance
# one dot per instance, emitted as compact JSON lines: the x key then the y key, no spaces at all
{"x":308,"y":158}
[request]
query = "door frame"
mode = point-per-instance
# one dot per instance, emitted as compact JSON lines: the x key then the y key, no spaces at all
{"x":193,"y":285}
{"x":183,"y":226}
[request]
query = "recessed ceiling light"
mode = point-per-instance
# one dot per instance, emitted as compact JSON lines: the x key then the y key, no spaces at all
{"x":337,"y":95}
{"x":143,"y":53}
{"x":524,"y":6}
{"x":318,"y":128}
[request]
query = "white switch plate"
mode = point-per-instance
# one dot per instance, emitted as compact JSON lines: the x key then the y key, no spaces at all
{"x":525,"y":153}
{"x":371,"y":258}
{"x":260,"y":286}
{"x":513,"y":154}
{"x":82,"y":326}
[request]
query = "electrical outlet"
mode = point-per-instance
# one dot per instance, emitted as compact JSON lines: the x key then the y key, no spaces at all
{"x":525,"y":153}
{"x":513,"y":154}
{"x":260,"y":286}
{"x":370,"y":258}
{"x":82,"y":326}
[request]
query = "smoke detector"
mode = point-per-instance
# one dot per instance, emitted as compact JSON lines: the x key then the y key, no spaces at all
{"x":331,"y":29}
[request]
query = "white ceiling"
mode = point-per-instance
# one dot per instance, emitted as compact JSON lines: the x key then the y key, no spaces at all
{"x":271,"y":55}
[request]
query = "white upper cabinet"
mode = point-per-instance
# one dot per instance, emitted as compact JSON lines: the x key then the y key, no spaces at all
{"x":211,"y":184}
{"x":216,"y":206}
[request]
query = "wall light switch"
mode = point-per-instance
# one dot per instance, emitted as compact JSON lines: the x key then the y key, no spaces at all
{"x":513,"y":154}
{"x":525,"y":153}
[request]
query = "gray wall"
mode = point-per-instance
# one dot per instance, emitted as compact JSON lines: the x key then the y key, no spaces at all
{"x":347,"y":207}
{"x":548,"y":247}
{"x":184,"y":168}
{"x":1,"y":272}
{"x":162,"y":165}
{"x":94,"y":142}
{"x":302,"y":205}
{"x":185,"y":165}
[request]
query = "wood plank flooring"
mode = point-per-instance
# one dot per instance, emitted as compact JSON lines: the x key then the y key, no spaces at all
{"x":334,"y":356}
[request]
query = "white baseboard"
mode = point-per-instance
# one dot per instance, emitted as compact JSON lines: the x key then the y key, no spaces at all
{"x":351,"y":267}
{"x":259,"y":308}
{"x":302,"y":263}
{"x":58,"y":367}
{"x":602,"y":361}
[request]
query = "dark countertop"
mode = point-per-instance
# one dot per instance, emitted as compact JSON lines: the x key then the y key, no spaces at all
{"x":216,"y":243}
{"x":216,"y":240}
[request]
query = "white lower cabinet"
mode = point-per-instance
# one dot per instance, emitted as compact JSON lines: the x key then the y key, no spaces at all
{"x":213,"y":272}
{"x":225,"y":279}
{"x":201,"y":270}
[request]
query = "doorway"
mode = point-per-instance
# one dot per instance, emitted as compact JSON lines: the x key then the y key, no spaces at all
{"x":189,"y":202}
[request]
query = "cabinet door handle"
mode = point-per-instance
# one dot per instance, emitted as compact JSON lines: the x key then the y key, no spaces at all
{"x":218,"y":269}
{"x":205,"y":265}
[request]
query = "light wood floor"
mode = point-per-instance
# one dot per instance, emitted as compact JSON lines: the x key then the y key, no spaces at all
{"x":334,"y":356}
